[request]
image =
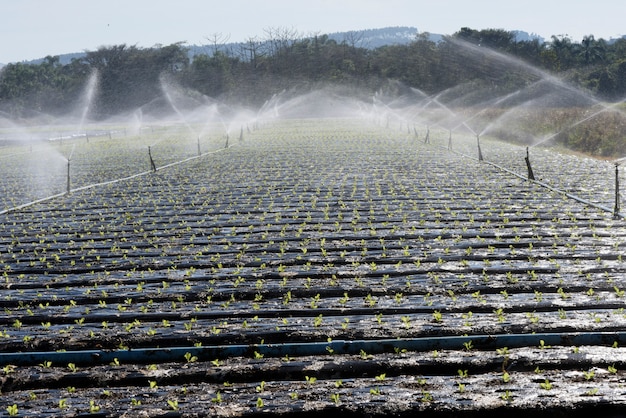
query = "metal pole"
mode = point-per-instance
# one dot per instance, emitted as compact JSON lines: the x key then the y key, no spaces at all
{"x":480,"y":153}
{"x":68,"y":177}
{"x":531,"y":175}
{"x":616,"y":208}
{"x":152,"y":165}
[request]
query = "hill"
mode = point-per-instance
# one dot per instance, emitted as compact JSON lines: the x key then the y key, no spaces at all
{"x":367,"y":38}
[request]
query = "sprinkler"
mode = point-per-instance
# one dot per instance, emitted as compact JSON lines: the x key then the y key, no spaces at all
{"x":480,"y":153}
{"x":241,"y":134}
{"x":226,"y":145}
{"x":616,"y":208}
{"x":199,"y":152}
{"x":450,"y":140}
{"x":531,"y":175}
{"x":69,"y":159}
{"x":68,"y":176}
{"x":427,"y":137}
{"x":152,"y":165}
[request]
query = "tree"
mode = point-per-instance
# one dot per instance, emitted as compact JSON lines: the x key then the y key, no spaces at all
{"x":213,"y":75}
{"x":530,"y":51}
{"x":591,"y":51}
{"x":44,"y":88}
{"x":218,"y":41}
{"x":491,"y":38}
{"x":620,"y":79}
{"x":130,"y":77}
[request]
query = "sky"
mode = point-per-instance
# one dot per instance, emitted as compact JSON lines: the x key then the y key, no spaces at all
{"x":31,"y":29}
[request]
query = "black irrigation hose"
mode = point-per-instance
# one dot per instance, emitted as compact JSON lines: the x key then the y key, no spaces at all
{"x":104,"y":183}
{"x":344,"y":347}
{"x":615,"y":213}
{"x":554,"y":189}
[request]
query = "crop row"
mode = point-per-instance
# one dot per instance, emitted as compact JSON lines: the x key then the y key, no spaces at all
{"x":38,"y":168}
{"x":449,"y":382}
{"x":310,"y":231}
{"x":386,"y":236}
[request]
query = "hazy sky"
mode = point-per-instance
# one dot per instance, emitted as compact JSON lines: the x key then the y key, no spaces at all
{"x":31,"y":29}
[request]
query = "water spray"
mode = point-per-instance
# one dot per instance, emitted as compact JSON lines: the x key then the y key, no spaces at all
{"x":531,"y":175}
{"x":480,"y":153}
{"x":152,"y":165}
{"x":616,"y":208}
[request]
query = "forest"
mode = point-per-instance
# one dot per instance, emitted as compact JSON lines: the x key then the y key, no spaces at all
{"x":130,"y":77}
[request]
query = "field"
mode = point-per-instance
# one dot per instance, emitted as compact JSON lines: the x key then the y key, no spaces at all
{"x":308,"y":266}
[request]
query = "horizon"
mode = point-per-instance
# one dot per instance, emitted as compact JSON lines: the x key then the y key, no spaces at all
{"x":65,"y":26}
{"x":302,"y":36}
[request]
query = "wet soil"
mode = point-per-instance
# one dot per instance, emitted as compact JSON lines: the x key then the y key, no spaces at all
{"x":328,"y":233}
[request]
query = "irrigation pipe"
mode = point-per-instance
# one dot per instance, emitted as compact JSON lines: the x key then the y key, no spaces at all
{"x":554,"y":189}
{"x":90,"y":186}
{"x":543,"y":184}
{"x":294,"y":349}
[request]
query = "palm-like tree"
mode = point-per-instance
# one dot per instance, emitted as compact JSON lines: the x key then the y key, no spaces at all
{"x":562,"y":47}
{"x":591,"y":50}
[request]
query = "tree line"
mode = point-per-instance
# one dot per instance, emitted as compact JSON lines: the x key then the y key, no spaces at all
{"x":130,"y":77}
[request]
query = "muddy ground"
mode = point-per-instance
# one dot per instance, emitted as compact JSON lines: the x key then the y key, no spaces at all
{"x":320,"y":267}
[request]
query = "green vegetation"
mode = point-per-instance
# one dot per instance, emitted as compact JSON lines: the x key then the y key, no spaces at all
{"x":130,"y":76}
